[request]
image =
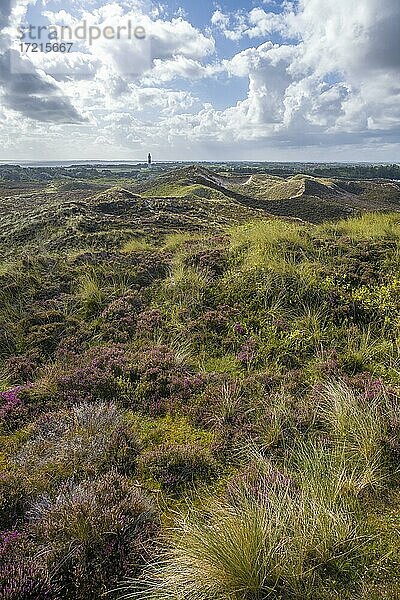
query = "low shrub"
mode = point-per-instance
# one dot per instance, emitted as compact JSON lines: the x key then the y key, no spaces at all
{"x":92,"y":533}
{"x":161,"y":380}
{"x":22,"y":368}
{"x":13,"y":408}
{"x":81,"y":442}
{"x":118,"y":319}
{"x":149,"y":322}
{"x":92,"y":376}
{"x":26,"y":581}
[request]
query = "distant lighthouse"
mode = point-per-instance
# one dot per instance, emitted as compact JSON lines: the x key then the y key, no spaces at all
{"x":149,"y":160}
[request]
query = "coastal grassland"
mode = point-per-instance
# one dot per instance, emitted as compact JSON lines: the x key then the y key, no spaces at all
{"x":208,"y":415}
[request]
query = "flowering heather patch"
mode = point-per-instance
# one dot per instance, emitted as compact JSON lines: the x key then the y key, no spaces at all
{"x":280,"y":324}
{"x":119,"y":317}
{"x":148,"y":322}
{"x":94,"y":377}
{"x":239,"y":329}
{"x":213,"y":327}
{"x":13,"y":409}
{"x":248,"y":352}
{"x":329,"y":365}
{"x":112,"y":357}
{"x":162,"y":381}
{"x":218,"y":319}
{"x":119,"y":312}
{"x":80,"y":442}
{"x":213,"y":260}
{"x":10,"y":400}
{"x":26,"y":581}
{"x":371,"y":387}
{"x":71,"y":346}
{"x":374,"y":389}
{"x":7,"y":540}
{"x":85,"y":384}
{"x":147,"y":267}
{"x":22,"y":368}
{"x":93,"y":532}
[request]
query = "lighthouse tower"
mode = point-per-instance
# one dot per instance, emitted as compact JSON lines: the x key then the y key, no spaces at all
{"x":149,"y":160}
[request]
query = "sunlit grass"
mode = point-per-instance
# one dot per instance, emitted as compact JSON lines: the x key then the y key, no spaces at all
{"x":367,"y":226}
{"x":91,"y":292}
{"x":137,"y":245}
{"x":259,"y":242}
{"x":358,"y":427}
{"x":174,"y":241}
{"x":270,"y":541}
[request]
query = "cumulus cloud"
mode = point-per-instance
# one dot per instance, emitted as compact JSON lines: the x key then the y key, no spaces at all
{"x":172,"y":41}
{"x":24,"y":88}
{"x":255,"y":23}
{"x":338,"y":74}
{"x":317,"y":73}
{"x":33,"y":94}
{"x":232,"y":26}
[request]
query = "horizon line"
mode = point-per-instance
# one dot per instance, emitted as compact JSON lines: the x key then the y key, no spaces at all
{"x":15,"y":162}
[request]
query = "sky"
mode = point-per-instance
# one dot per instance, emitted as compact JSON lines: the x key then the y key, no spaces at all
{"x":265,"y":80}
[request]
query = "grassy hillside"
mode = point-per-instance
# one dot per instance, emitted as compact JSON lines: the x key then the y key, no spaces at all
{"x":71,"y":214}
{"x":49,"y":220}
{"x":312,"y":199}
{"x":197,"y":401}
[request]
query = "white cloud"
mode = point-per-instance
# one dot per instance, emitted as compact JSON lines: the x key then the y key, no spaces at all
{"x":333,"y":78}
{"x":341,"y":75}
{"x":232,"y":26}
{"x":255,"y":23}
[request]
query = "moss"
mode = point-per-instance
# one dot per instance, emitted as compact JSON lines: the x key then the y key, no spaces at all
{"x":172,"y":430}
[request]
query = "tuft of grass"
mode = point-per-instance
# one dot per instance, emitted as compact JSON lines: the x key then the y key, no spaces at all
{"x":365,"y":350}
{"x":186,"y":286}
{"x":358,"y":428}
{"x":367,"y":226}
{"x":136,"y":245}
{"x":173,"y":241}
{"x":219,"y":364}
{"x":257,"y":243}
{"x":91,"y":292}
{"x":274,"y":537}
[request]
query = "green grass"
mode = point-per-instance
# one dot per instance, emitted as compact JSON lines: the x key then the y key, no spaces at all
{"x":262,"y":241}
{"x":358,"y":426}
{"x":137,"y":245}
{"x":173,"y":241}
{"x":185,"y":285}
{"x":271,"y":542}
{"x":91,"y":292}
{"x":368,"y":226}
{"x":244,"y":377}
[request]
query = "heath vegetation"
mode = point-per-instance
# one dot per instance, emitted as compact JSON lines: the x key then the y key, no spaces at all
{"x":201,"y":411}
